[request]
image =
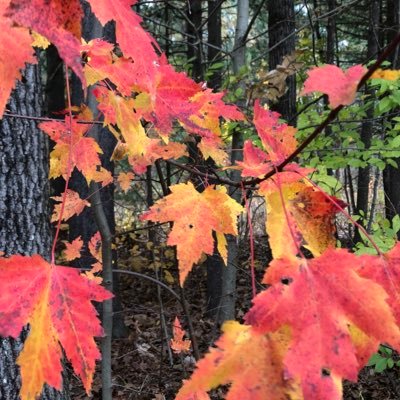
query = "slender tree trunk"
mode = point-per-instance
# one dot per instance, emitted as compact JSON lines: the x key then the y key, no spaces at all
{"x":215,"y":39}
{"x":24,"y":207}
{"x":391,"y":175}
{"x":228,"y":299}
{"x":84,"y":225}
{"x":195,"y":50}
{"x":363,"y":179}
{"x":281,"y":29}
{"x":214,"y":263}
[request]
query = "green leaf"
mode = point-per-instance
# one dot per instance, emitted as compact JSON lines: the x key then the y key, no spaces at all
{"x":381,"y":365}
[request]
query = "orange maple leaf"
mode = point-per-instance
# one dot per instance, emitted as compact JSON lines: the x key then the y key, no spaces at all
{"x":251,"y":362}
{"x":306,"y":217}
{"x":77,"y":151}
{"x":195,"y":216}
{"x":56,"y":302}
{"x":73,"y":249}
{"x":154,"y":151}
{"x":319,"y":299}
{"x":125,"y":180}
{"x":339,"y":85}
{"x":120,"y":111}
{"x":177,"y":343}
{"x":74,"y":205}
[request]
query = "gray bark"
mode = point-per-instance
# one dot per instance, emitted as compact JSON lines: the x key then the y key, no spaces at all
{"x":24,"y":211}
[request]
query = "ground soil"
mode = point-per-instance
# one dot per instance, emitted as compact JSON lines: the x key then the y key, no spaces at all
{"x":142,"y":368}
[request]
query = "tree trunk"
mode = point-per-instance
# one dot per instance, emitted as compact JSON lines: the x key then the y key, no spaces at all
{"x":215,"y":41}
{"x":228,"y":295}
{"x":391,"y":175}
{"x":24,"y":207}
{"x":281,"y":28}
{"x":84,"y":224}
{"x":363,"y":179}
{"x":194,"y":31}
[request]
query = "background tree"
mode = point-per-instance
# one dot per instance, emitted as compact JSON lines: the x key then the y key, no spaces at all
{"x":24,"y":206}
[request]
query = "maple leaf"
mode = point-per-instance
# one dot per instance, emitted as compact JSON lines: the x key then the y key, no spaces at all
{"x":318,"y":299}
{"x":177,"y":343}
{"x":142,"y":48}
{"x":74,"y":205}
{"x":73,"y":249}
{"x":94,"y":246}
{"x":249,"y":361}
{"x":255,"y":162}
{"x":125,"y":180}
{"x":56,"y":302}
{"x":77,"y":151}
{"x":211,"y":108}
{"x":102,"y":63}
{"x":195,"y":216}
{"x":120,"y":111}
{"x":387,"y":74}
{"x":384,"y":270}
{"x":60,"y":24}
{"x":308,"y":216}
{"x":154,"y":151}
{"x":279,"y":141}
{"x":339,"y":85}
{"x":12,"y":57}
{"x":277,"y":137}
{"x":169,"y":99}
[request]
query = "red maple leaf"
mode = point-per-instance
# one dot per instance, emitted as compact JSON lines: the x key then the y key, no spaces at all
{"x":59,"y":23}
{"x":12,"y":57}
{"x":339,"y":85}
{"x":56,"y":303}
{"x":320,"y":299}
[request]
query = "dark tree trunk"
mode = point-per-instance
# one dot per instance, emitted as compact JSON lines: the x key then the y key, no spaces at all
{"x":281,"y":28}
{"x":215,"y":41}
{"x":194,"y":31}
{"x":391,"y":175}
{"x":214,"y":263}
{"x":363,"y":179}
{"x":24,"y":208}
{"x":84,"y":225}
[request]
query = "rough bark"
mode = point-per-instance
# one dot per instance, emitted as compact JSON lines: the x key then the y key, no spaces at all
{"x":281,"y":28}
{"x":24,"y":210}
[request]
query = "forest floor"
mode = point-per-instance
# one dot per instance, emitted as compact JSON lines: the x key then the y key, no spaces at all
{"x":142,"y":367}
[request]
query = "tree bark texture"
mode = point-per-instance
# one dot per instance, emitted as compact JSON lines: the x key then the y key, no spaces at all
{"x":24,"y":207}
{"x":281,"y":29}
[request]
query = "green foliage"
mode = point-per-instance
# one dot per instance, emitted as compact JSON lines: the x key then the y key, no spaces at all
{"x":383,"y":233}
{"x":384,"y":359}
